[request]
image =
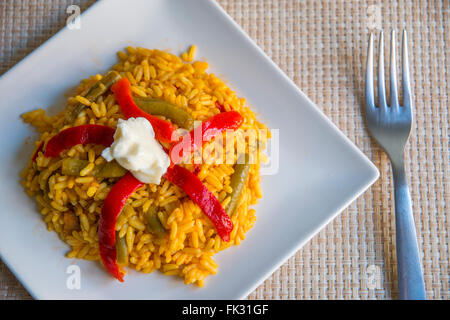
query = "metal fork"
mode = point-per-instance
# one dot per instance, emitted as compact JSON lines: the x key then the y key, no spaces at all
{"x":390,"y":126}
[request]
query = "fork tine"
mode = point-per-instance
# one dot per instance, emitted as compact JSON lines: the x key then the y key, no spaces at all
{"x":370,"y":101}
{"x":393,"y":76}
{"x":405,"y":73}
{"x":381,"y":85}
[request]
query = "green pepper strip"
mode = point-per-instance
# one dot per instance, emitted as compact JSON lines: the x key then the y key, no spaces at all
{"x":237,"y":183}
{"x":153,"y":223}
{"x":99,"y":88}
{"x":73,"y":167}
{"x":122,"y":250}
{"x":166,"y":109}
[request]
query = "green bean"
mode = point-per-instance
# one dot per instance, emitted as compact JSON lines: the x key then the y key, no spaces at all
{"x":237,"y":183}
{"x":121,"y":249}
{"x":153,"y":223}
{"x":166,"y":109}
{"x":171,"y":206}
{"x":99,"y":88}
{"x":73,"y":167}
{"x":109,"y":170}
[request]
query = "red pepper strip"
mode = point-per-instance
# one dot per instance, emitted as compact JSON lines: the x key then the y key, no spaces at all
{"x":204,"y":198}
{"x":35,"y":154}
{"x":112,"y":206}
{"x":122,"y":91}
{"x":84,"y":134}
{"x":230,"y":120}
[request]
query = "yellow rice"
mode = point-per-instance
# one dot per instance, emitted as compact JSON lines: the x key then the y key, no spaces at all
{"x":71,"y":206}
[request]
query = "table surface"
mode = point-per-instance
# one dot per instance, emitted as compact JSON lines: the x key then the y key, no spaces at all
{"x":322,"y":45}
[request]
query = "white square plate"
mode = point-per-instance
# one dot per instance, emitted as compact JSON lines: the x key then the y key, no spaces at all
{"x":320,"y":170}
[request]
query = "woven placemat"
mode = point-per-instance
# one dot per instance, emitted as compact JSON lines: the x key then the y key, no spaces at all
{"x":321,"y":45}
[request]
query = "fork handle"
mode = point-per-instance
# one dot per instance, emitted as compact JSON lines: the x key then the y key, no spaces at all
{"x":410,"y":276}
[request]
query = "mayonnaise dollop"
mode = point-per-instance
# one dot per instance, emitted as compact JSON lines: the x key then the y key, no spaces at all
{"x":136,"y":149}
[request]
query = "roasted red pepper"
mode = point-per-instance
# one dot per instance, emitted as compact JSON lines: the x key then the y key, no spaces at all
{"x":204,"y":198}
{"x":210,"y":128}
{"x":112,"y":206}
{"x":35,"y":154}
{"x":84,"y":134}
{"x":122,"y":91}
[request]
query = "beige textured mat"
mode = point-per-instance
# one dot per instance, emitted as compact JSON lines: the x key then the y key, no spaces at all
{"x":322,"y":45}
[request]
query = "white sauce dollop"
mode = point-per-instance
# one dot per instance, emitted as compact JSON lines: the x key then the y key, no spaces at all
{"x":136,"y":149}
